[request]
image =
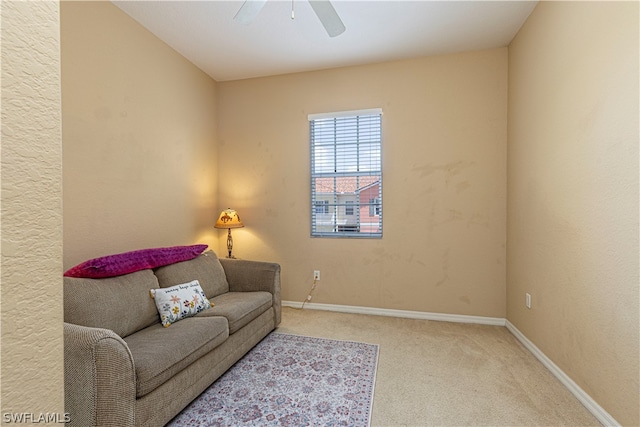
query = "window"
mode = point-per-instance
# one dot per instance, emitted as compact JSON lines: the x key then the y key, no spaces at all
{"x":348,"y":207}
{"x":374,"y":207}
{"x":322,"y":207}
{"x":346,"y":174}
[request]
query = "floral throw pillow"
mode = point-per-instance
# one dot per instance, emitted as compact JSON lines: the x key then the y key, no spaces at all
{"x":179,"y":302}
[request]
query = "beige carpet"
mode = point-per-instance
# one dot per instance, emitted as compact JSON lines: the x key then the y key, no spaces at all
{"x":448,"y":374}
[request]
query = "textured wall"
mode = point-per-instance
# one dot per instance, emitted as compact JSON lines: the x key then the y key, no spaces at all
{"x":573,"y":194}
{"x":140,"y":165}
{"x":444,"y":190}
{"x":31,"y":177}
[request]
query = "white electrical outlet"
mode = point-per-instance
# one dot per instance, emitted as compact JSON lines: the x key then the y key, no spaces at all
{"x":316,"y":274}
{"x":527,"y":300}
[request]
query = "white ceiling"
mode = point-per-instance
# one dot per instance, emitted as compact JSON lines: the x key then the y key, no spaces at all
{"x":377,"y":31}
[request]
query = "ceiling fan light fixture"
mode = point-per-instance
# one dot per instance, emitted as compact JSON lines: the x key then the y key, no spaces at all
{"x":323,"y":9}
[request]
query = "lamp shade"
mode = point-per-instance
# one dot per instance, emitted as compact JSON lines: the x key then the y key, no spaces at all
{"x":229,"y":219}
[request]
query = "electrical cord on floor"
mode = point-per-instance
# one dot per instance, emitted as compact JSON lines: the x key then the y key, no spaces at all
{"x":308,"y":298}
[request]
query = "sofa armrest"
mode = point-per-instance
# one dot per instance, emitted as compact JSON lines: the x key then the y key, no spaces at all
{"x":99,"y":378}
{"x":246,"y":276}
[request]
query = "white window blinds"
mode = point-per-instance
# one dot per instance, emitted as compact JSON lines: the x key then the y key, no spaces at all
{"x":346,"y":174}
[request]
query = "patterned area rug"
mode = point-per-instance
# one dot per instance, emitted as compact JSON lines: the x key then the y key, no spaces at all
{"x":290,"y":380}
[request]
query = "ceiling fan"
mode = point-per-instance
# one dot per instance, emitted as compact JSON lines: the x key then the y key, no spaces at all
{"x":323,"y":9}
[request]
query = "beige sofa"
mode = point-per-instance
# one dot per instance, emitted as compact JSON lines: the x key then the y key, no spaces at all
{"x":123,"y":368}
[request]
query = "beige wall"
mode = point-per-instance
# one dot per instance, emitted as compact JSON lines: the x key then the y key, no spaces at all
{"x":573,"y":194}
{"x":139,"y":132}
{"x":31,"y":176}
{"x":444,"y":182}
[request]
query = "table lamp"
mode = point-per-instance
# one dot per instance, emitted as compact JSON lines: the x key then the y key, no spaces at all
{"x":229,"y":219}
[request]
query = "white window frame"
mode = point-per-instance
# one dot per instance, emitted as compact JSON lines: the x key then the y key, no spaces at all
{"x":353,"y":140}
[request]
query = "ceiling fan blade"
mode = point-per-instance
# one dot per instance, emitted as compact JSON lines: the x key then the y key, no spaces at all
{"x":328,"y":16}
{"x":249,"y":11}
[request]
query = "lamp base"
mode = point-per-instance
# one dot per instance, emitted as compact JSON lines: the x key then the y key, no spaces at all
{"x":229,"y":244}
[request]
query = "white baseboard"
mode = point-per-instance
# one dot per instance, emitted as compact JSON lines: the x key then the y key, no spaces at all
{"x":592,"y":406}
{"x":458,"y":318}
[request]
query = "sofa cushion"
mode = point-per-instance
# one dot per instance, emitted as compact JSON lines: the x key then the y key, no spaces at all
{"x":160,"y":353}
{"x":206,"y":269}
{"x":121,"y":303}
{"x":239,"y":308}
{"x":129,"y":262}
{"x":179,"y":302}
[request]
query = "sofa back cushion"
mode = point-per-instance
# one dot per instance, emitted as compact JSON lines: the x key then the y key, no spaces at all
{"x":206,"y":269}
{"x":121,"y":303}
